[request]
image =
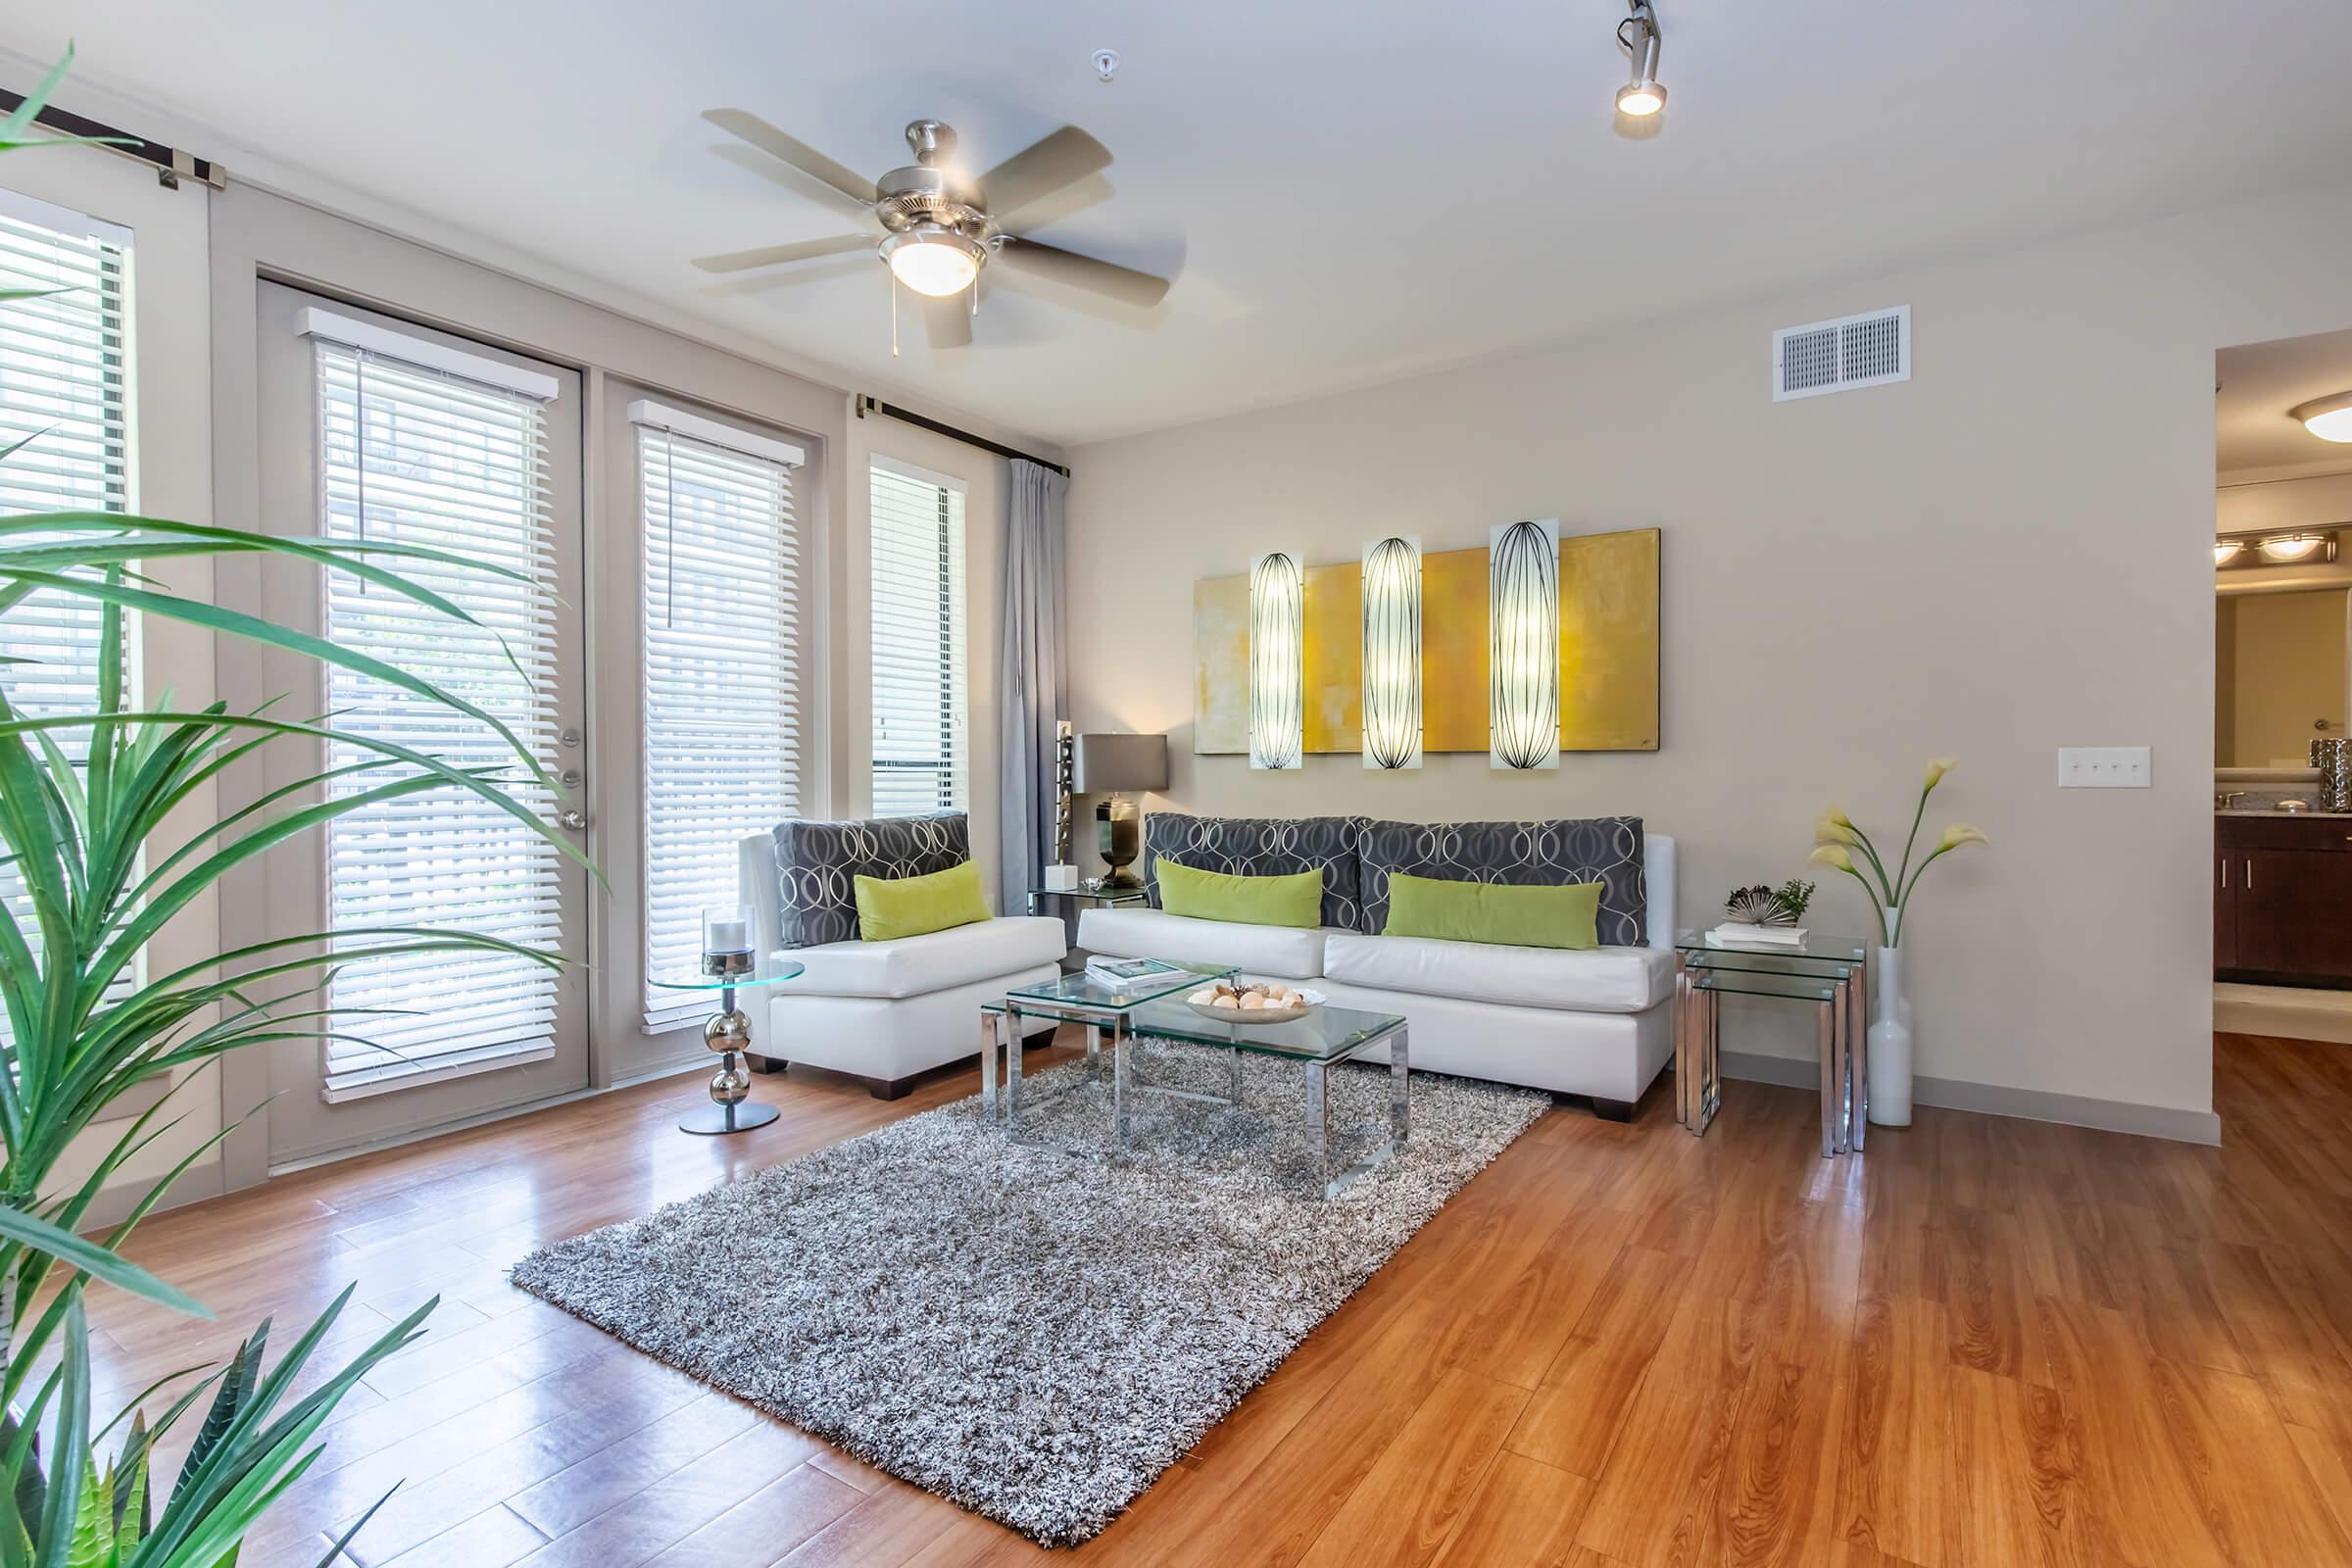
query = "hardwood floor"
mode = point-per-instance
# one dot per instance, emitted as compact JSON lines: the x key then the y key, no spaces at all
{"x":1984,"y":1342}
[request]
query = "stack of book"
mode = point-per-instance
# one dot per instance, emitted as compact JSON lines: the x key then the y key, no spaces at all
{"x":1747,"y":934}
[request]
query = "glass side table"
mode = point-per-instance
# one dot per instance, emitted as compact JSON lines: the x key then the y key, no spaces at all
{"x":1828,"y":971}
{"x":730,"y":1033}
{"x":1099,"y":897}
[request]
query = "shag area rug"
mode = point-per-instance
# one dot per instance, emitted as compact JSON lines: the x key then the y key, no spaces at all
{"x":1033,"y":1333}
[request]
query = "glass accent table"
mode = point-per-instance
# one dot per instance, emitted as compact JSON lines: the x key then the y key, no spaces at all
{"x":1828,"y":971}
{"x":1081,"y":999}
{"x":1324,"y":1037}
{"x":1099,"y":897}
{"x":728,"y":1032}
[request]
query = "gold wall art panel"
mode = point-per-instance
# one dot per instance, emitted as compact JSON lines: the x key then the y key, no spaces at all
{"x":1610,"y":644}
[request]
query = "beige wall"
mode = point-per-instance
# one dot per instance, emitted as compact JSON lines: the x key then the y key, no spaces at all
{"x":2003,"y":556}
{"x":2281,"y":660}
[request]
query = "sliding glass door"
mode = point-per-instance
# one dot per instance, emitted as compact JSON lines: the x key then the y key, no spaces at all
{"x":375,"y":430}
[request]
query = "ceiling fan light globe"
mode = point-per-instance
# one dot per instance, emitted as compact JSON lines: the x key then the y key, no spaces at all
{"x":936,"y":264}
{"x":1640,"y":99}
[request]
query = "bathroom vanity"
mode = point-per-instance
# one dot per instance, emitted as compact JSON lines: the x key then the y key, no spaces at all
{"x":2282,"y":897}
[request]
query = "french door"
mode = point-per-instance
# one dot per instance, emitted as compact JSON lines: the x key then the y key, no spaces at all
{"x":375,"y":429}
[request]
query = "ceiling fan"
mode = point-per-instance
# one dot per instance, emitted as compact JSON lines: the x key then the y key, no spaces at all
{"x":940,"y":229}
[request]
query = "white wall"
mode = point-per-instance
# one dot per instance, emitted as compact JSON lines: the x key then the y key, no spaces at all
{"x":2005,"y":554}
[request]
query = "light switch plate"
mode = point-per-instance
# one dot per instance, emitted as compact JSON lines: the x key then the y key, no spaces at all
{"x":2103,"y":767}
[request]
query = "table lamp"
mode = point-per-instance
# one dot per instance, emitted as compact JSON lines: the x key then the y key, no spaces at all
{"x":1112,"y":765}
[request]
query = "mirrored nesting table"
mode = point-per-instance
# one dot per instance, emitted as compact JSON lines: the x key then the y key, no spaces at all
{"x":1830,"y":972}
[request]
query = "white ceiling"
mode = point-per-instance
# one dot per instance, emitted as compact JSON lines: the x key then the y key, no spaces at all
{"x":2258,"y":384}
{"x":1347,"y":190}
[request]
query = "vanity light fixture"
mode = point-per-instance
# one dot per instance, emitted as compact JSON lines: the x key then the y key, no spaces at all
{"x":2297,"y":547}
{"x":2328,"y":417}
{"x":1277,"y":662}
{"x":1522,"y":652}
{"x":2224,"y":550}
{"x":1643,"y":97}
{"x":1392,"y":670}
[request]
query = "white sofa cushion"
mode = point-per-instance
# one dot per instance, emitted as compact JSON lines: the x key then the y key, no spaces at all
{"x":1275,"y":951}
{"x":1594,"y":980}
{"x":914,"y":966}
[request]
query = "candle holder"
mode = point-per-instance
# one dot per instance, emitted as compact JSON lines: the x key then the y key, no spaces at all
{"x":728,"y":956}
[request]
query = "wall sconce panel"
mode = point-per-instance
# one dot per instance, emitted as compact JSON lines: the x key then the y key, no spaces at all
{"x":1277,"y":662}
{"x":1523,"y":594}
{"x":1391,"y":661}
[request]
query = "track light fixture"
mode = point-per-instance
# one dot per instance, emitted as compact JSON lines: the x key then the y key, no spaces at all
{"x":1643,"y":97}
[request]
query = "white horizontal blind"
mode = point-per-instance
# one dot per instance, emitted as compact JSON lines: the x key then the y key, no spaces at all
{"x":416,"y":457}
{"x":723,"y":716}
{"x":63,"y":364}
{"x":921,"y":760}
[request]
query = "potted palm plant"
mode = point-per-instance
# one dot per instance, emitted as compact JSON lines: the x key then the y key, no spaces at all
{"x":81,"y":795}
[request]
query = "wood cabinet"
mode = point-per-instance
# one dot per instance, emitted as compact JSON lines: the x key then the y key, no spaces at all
{"x":2282,"y":900}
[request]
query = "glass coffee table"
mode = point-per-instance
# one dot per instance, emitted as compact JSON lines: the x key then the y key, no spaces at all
{"x":1105,"y":1010}
{"x":1323,"y":1039}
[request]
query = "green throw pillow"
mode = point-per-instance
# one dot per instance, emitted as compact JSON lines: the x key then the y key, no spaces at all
{"x":1294,"y":900}
{"x":890,"y":908}
{"x":1562,"y":916}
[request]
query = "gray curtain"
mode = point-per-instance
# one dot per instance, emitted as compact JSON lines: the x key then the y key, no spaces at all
{"x":1035,"y":680}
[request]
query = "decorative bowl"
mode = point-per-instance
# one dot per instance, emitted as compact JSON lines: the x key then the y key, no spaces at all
{"x":1255,"y":1015}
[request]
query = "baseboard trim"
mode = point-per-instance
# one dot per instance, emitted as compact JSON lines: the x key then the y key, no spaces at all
{"x":1994,"y":1099}
{"x":114,"y":1202}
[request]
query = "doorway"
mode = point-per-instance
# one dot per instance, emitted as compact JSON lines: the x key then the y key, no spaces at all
{"x":375,"y":428}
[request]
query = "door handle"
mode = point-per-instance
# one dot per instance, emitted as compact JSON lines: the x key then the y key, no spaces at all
{"x":571,"y":819}
{"x":2225,"y":876}
{"x":2249,"y":871}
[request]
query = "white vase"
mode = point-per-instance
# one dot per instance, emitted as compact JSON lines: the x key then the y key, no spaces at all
{"x":1889,"y":1042}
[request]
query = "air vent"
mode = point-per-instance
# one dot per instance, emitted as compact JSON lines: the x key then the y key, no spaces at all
{"x":1853,"y":351}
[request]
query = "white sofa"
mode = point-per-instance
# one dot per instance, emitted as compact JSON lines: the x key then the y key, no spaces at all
{"x":884,"y":1012}
{"x":1596,"y":1023}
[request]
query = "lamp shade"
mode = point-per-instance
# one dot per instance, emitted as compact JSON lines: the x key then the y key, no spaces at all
{"x":1392,"y":652}
{"x":1106,"y":764}
{"x":1277,"y":662}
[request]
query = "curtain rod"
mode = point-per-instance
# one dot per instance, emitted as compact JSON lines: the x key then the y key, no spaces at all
{"x":171,"y":165}
{"x":877,"y":406}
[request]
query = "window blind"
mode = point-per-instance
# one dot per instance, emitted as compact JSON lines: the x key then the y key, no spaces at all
{"x":920,"y":747}
{"x":723,"y":716}
{"x":64,"y":368}
{"x":414,"y":456}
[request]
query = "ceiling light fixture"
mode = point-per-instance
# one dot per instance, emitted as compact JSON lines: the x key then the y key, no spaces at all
{"x":2296,"y":547}
{"x":2328,"y":417}
{"x":1642,"y":96}
{"x":934,"y":259}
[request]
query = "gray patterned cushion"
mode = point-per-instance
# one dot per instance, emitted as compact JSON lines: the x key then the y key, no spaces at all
{"x":1262,"y":846}
{"x":816,"y":863}
{"x":1606,"y":850}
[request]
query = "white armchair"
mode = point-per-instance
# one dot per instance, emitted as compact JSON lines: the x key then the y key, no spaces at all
{"x":883,"y":1013}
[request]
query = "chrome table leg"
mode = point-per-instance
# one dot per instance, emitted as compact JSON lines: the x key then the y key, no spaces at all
{"x":1401,"y":1092}
{"x":988,"y":1060}
{"x":1318,"y":1129}
{"x":1121,"y":1065}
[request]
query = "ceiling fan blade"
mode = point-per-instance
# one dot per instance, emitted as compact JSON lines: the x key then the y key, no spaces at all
{"x":775,"y":254}
{"x":948,"y":322}
{"x":1041,"y":169}
{"x":798,"y":154}
{"x":1106,"y":279}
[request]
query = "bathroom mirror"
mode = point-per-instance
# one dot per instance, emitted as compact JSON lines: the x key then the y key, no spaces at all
{"x":2281,"y":661}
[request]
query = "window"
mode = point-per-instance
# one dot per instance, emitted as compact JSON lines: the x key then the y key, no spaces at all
{"x":722,"y":723}
{"x":64,"y":369}
{"x":921,"y":745}
{"x":412,"y":455}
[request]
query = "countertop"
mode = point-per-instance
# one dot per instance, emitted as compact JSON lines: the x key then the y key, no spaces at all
{"x":2325,"y":816}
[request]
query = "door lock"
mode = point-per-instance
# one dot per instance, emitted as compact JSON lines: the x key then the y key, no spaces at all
{"x":571,"y":819}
